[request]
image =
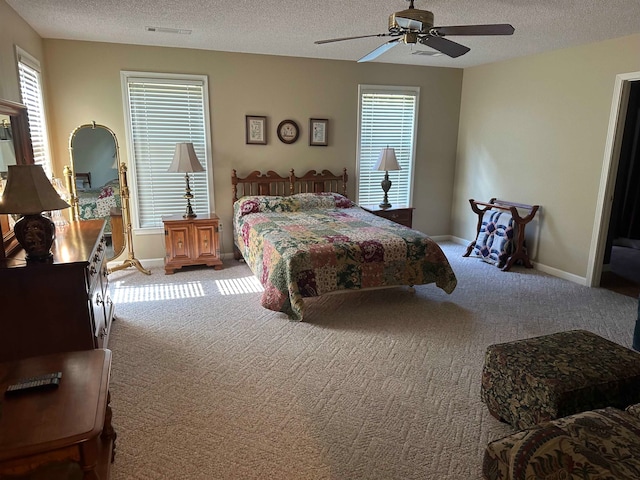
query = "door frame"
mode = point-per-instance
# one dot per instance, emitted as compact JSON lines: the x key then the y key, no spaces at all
{"x":612,"y":146}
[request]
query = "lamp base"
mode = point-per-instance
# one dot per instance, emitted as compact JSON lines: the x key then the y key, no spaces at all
{"x":189,"y":213}
{"x":35,"y":233}
{"x":386,"y":185}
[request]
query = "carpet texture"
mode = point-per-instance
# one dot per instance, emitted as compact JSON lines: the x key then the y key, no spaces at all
{"x":207,"y":384}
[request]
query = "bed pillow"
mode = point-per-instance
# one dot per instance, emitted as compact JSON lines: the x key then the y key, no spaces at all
{"x":265,"y":203}
{"x":322,"y":200}
{"x":293,"y":203}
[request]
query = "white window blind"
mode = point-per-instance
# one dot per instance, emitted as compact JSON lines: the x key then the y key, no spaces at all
{"x":163,"y":112}
{"x":31,"y":92}
{"x":388,"y":118}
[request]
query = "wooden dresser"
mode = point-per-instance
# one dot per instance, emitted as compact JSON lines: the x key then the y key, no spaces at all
{"x":60,"y":306}
{"x":191,"y":241}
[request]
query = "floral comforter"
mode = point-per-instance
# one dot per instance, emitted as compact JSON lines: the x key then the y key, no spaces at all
{"x":307,"y":245}
{"x":97,"y":202}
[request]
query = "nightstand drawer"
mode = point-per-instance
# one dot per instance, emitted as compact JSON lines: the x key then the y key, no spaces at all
{"x":403,"y":217}
{"x":402,"y":214}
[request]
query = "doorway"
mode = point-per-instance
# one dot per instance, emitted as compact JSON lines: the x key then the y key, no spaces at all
{"x":617,"y":261}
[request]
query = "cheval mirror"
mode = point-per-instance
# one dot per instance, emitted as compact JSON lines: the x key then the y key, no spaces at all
{"x":15,"y":149}
{"x":97,"y":181}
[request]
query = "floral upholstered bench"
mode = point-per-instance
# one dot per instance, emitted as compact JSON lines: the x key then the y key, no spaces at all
{"x":594,"y":445}
{"x":543,"y":378}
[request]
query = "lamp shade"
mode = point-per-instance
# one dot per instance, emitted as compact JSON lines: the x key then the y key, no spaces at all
{"x":28,"y":191}
{"x":387,"y":160}
{"x":185,"y":159}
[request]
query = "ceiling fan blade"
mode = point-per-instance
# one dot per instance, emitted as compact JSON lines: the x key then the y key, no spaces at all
{"x":380,"y":50}
{"x":453,"y":49}
{"x":320,"y":42}
{"x":495,"y":29}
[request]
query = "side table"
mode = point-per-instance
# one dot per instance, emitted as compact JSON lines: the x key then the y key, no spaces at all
{"x":71,"y":423}
{"x":191,"y":241}
{"x":401,"y":214}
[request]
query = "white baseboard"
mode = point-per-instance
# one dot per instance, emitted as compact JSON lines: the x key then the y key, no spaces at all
{"x":560,"y":274}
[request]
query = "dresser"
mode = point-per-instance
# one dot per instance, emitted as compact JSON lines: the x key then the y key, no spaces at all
{"x":191,"y":241}
{"x":401,"y":214}
{"x":60,"y":306}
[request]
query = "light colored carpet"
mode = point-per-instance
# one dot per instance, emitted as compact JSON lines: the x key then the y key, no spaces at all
{"x":373,"y":385}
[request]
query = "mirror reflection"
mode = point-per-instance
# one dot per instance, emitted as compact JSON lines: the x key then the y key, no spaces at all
{"x":7,"y":150}
{"x":96,"y":184}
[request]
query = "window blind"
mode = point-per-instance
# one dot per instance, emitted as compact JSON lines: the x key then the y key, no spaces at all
{"x":31,"y":92}
{"x":163,"y":112}
{"x":387,"y":119}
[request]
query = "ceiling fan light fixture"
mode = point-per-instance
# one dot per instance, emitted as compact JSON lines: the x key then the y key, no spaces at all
{"x":413,"y":20}
{"x":427,"y":53}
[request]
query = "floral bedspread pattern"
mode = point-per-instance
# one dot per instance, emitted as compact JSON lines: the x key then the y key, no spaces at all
{"x":97,"y":202}
{"x":307,"y":245}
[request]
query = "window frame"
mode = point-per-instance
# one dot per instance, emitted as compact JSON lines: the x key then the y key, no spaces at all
{"x":25,"y":58}
{"x":388,"y":89}
{"x":207,"y":161}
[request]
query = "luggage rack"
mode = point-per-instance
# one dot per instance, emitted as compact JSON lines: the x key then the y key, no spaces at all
{"x":520,"y":251}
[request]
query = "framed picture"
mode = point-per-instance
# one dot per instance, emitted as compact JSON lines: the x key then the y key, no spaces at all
{"x":318,"y":132}
{"x":256,"y":130}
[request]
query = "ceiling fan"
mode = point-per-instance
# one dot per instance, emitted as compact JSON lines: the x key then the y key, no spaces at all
{"x":416,"y":26}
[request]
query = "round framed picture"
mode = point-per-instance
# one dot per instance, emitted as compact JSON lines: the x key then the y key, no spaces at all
{"x":288,"y":131}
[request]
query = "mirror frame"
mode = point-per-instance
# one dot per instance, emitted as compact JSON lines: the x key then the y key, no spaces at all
{"x":70,"y":178}
{"x":24,"y":156}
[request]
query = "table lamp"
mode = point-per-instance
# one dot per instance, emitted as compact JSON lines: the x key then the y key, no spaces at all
{"x":185,"y":161}
{"x":29,"y":192}
{"x":387,"y":161}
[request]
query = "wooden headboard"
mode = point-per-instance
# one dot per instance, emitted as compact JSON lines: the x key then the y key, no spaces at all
{"x":271,"y":183}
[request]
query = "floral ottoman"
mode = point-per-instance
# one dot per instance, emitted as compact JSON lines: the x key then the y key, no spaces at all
{"x":542,"y":378}
{"x":595,"y":445}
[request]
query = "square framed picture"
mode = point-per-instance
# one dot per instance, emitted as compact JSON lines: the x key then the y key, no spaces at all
{"x":256,"y":130}
{"x":318,"y":132}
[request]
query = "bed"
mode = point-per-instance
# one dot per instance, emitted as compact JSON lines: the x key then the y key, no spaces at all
{"x":100,"y":202}
{"x":302,"y":237}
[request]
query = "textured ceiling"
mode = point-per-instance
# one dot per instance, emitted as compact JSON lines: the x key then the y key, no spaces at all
{"x":289,"y":27}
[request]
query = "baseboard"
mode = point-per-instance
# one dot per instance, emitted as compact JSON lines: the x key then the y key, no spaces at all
{"x":561,"y":274}
{"x":159,"y":262}
{"x":536,"y":265}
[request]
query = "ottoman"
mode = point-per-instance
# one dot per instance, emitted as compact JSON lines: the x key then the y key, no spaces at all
{"x":598,"y":444}
{"x":543,"y":378}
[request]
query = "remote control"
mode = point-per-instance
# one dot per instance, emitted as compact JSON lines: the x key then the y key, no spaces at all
{"x":47,"y":381}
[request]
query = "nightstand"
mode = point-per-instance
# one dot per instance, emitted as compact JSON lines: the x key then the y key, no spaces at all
{"x":401,"y":214}
{"x":191,"y":241}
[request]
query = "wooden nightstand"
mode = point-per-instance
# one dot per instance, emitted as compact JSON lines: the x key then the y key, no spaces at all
{"x":401,"y":214}
{"x":191,"y":241}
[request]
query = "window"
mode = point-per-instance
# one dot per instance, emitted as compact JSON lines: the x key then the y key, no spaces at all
{"x":387,"y":118}
{"x":31,"y":92}
{"x":162,"y":110}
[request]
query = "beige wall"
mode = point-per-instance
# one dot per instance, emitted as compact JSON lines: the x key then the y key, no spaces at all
{"x":533,"y":130}
{"x":14,"y":31}
{"x":83,"y":80}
